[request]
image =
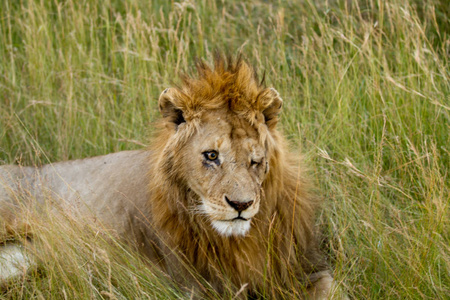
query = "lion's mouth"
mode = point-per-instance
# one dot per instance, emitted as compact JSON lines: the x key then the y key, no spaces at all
{"x":239,"y":218}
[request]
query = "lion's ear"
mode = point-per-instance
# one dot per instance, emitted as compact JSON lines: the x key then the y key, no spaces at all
{"x":170,"y":108}
{"x":272,"y":103}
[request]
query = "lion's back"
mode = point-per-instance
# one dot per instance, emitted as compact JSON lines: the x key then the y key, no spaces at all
{"x":111,"y":189}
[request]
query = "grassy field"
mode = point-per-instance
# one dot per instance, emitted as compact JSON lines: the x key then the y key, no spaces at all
{"x":366,"y":88}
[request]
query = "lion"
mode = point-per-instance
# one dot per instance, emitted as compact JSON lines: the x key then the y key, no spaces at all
{"x":217,"y":190}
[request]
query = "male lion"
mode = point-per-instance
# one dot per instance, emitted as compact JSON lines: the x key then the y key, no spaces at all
{"x":217,"y":190}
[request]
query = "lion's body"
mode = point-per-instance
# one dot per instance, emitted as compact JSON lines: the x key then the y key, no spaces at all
{"x":110,"y":189}
{"x":217,"y":191}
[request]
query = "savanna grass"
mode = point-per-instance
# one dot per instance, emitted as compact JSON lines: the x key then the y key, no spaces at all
{"x":367,"y":99}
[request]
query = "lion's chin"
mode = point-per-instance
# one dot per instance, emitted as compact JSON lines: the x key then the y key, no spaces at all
{"x":236,"y":227}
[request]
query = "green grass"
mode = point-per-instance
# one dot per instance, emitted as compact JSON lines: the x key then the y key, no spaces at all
{"x":366,"y":87}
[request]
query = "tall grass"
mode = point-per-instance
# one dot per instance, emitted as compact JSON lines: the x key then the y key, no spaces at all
{"x":367,"y":99}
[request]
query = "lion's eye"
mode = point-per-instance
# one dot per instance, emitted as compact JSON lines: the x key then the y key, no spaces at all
{"x":211,"y":155}
{"x":255,"y":163}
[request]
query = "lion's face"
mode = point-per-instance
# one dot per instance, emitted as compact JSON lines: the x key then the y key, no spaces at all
{"x":227,"y":164}
{"x":221,"y":135}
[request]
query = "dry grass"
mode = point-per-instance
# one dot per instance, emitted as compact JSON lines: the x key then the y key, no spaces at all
{"x":367,"y":98}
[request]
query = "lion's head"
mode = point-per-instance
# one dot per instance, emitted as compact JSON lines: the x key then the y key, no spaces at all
{"x":221,"y":141}
{"x":224,"y":188}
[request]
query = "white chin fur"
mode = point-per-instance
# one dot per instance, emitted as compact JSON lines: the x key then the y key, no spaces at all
{"x":230,"y":228}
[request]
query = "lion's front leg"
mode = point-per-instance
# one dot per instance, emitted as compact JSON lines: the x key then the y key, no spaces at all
{"x":15,"y":261}
{"x":324,"y":288}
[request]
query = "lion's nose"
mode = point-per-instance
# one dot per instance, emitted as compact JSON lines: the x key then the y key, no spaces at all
{"x":238,"y":205}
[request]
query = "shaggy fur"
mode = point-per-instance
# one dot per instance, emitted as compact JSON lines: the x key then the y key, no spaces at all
{"x":171,"y":200}
{"x":281,"y":245}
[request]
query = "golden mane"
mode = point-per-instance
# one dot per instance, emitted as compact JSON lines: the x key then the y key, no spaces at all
{"x":281,"y":245}
{"x":231,"y":83}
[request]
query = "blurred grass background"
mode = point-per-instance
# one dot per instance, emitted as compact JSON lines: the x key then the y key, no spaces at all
{"x":367,"y":99}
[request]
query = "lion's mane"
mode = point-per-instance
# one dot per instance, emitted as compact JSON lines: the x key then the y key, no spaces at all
{"x":281,"y":244}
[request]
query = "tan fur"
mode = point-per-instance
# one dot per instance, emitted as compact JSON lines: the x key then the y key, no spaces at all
{"x":172,"y":195}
